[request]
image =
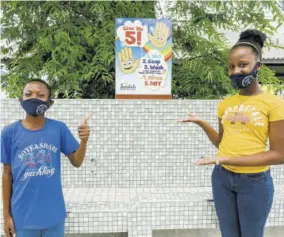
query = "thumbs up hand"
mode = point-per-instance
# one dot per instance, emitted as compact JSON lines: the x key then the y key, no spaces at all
{"x":84,"y":130}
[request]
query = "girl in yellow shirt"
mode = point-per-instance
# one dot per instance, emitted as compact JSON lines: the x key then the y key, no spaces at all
{"x":241,"y":182}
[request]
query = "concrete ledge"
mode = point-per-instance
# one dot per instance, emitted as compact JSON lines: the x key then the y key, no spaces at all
{"x":140,"y":211}
{"x":269,"y":232}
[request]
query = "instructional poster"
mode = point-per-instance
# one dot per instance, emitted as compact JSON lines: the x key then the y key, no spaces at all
{"x":143,"y":51}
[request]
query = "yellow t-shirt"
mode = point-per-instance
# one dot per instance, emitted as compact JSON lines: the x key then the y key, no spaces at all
{"x":245,"y":122}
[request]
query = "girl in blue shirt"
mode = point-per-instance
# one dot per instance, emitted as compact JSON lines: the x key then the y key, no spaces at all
{"x":33,"y":203}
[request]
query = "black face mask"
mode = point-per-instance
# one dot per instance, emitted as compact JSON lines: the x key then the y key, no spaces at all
{"x":240,"y":81}
{"x":35,"y":107}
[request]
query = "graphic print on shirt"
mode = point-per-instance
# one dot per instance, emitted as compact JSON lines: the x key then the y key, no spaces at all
{"x":243,"y":118}
{"x":37,"y":160}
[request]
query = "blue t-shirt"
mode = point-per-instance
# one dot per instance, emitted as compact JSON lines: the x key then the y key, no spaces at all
{"x":37,"y":199}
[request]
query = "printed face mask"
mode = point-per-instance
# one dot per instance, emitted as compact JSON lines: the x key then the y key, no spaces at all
{"x":240,"y":81}
{"x":35,"y":107}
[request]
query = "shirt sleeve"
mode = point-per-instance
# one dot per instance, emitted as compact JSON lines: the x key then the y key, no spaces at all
{"x":277,"y":110}
{"x":221,"y":109}
{"x":68,"y":142}
{"x":6,"y":146}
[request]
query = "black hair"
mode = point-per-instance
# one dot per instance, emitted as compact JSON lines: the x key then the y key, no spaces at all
{"x":254,"y":39}
{"x":43,"y":82}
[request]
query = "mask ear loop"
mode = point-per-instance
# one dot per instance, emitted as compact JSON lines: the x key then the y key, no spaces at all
{"x":258,"y":64}
{"x":20,"y":100}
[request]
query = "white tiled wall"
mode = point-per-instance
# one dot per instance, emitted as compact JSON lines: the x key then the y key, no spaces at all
{"x":135,"y":143}
{"x":138,"y":174}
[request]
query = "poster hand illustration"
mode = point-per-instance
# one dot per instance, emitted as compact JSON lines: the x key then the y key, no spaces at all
{"x":160,"y":37}
{"x":127,"y":64}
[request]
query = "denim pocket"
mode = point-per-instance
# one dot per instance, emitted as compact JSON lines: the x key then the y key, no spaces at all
{"x":256,"y":176}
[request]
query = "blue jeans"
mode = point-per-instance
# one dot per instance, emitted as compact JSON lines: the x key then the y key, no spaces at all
{"x":55,"y":231}
{"x":242,"y":201}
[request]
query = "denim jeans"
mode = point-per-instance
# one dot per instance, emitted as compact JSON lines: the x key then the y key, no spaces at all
{"x":242,"y":201}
